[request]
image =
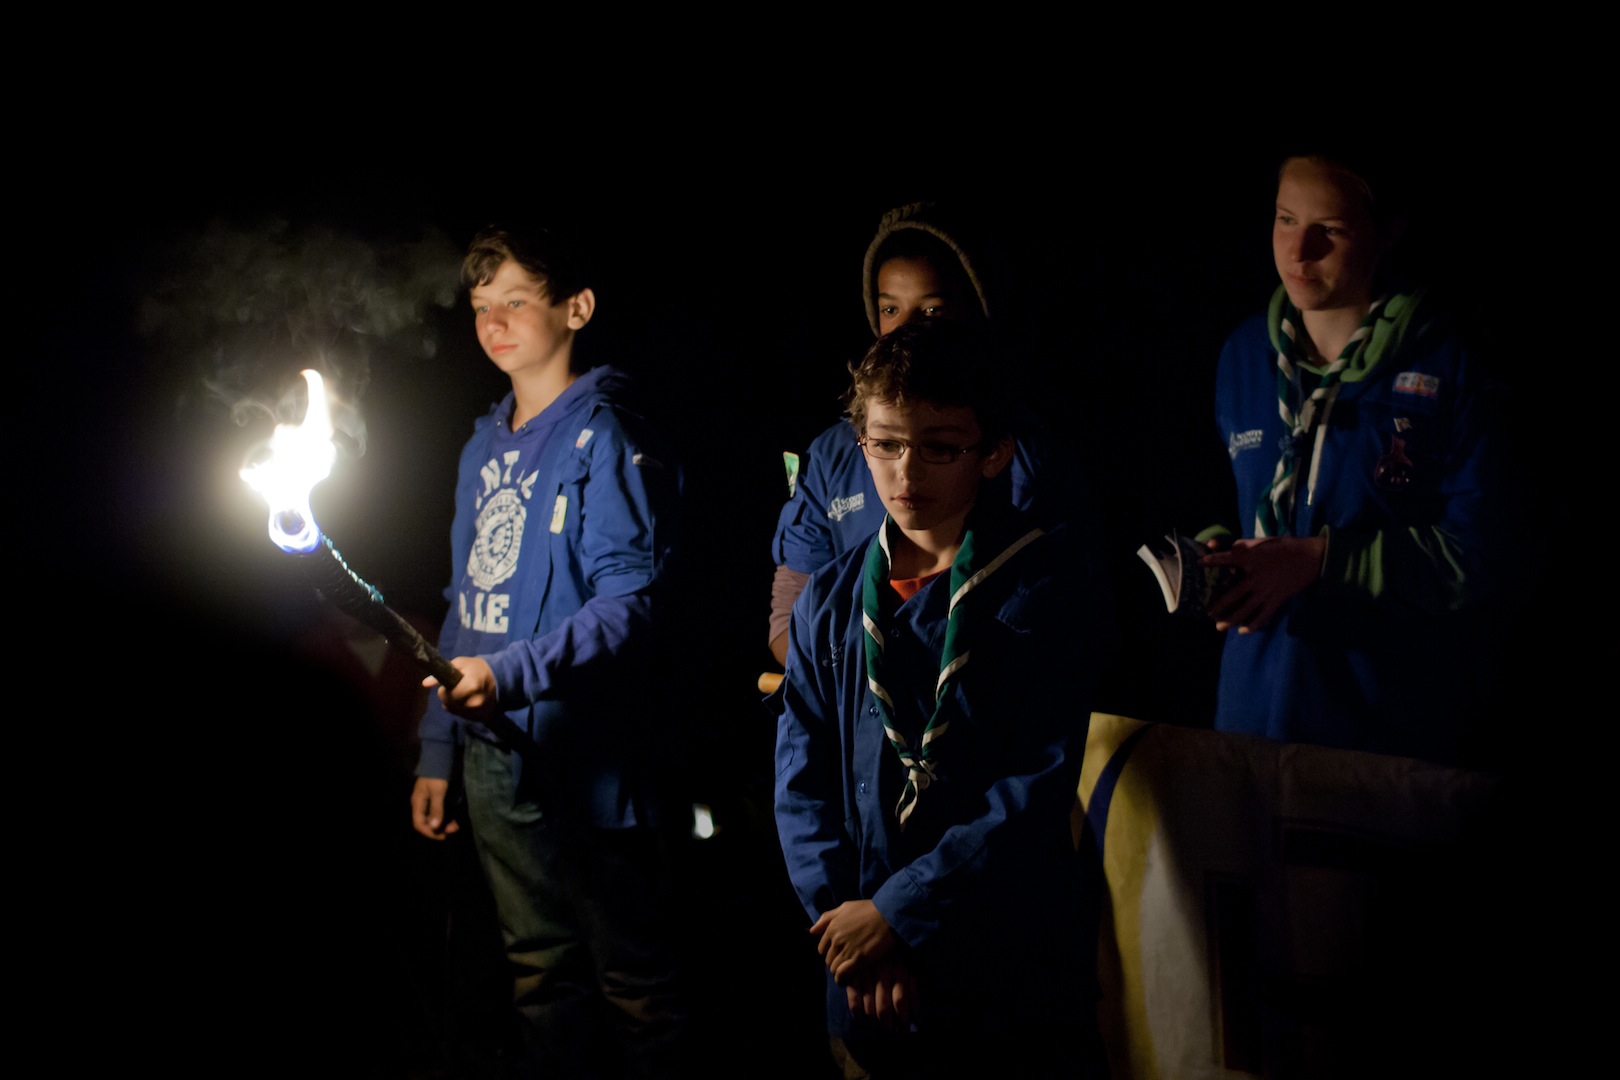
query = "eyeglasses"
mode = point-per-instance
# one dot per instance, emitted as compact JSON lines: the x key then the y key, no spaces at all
{"x":934,"y":453}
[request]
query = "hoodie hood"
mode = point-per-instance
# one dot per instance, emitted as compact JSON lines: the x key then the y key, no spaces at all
{"x":604,"y":382}
{"x":950,"y":229}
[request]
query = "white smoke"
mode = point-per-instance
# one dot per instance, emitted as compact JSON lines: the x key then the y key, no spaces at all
{"x":247,"y":308}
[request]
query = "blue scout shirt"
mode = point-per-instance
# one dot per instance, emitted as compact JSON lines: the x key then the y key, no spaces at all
{"x":1372,"y":657}
{"x":983,"y":885}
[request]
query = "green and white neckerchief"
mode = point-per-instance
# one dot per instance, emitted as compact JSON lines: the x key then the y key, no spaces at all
{"x":1274,"y":516}
{"x":972,"y":567}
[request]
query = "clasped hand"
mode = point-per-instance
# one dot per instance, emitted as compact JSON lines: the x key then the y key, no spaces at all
{"x":1274,"y":570}
{"x":856,"y":943}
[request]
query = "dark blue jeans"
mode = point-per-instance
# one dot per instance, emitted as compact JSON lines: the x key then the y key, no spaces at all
{"x":582,"y":914}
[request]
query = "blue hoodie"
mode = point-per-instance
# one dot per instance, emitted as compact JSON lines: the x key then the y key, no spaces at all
{"x":562,"y":532}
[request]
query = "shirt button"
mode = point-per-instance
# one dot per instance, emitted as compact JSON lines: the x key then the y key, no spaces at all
{"x":861,"y":787}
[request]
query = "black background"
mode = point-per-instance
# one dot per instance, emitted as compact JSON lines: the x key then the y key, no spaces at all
{"x":219,"y":805}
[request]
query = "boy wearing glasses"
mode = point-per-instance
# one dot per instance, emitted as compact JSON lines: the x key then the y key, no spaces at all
{"x":930,"y":732}
{"x":925,"y":262}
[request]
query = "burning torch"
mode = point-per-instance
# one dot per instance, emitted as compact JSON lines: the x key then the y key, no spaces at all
{"x":301,"y":456}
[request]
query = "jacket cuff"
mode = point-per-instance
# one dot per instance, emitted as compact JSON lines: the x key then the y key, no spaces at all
{"x":899,"y":901}
{"x":1346,"y":555}
{"x":511,"y":691}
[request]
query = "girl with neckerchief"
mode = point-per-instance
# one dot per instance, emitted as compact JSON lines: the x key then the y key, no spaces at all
{"x":1356,"y":429}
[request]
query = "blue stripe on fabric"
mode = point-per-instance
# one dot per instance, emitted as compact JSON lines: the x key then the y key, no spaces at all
{"x":1103,"y":794}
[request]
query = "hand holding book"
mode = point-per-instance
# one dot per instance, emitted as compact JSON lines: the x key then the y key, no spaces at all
{"x":1268,"y":572}
{"x":1189,"y":588}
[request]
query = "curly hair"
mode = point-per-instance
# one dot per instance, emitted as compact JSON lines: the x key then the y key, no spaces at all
{"x":940,"y":361}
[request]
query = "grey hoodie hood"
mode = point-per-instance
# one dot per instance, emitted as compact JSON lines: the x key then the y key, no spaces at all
{"x":950,"y":229}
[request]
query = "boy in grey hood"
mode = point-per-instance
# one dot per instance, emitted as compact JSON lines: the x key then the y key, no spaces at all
{"x":923,"y":263}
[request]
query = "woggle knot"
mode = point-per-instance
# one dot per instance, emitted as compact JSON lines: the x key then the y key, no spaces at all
{"x":921,"y":775}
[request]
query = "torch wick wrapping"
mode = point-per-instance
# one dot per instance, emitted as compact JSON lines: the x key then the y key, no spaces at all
{"x":351,"y":594}
{"x":344,"y":588}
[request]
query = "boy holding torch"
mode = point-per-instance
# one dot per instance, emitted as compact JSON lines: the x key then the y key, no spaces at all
{"x":562,"y":532}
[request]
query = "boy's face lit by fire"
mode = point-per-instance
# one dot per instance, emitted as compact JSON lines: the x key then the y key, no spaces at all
{"x":519,"y":327}
{"x":921,"y":496}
